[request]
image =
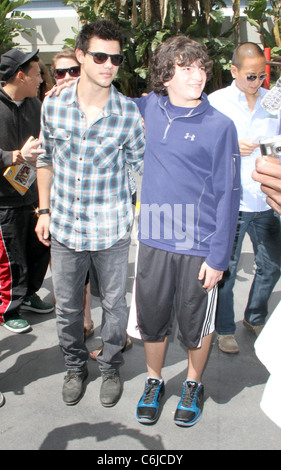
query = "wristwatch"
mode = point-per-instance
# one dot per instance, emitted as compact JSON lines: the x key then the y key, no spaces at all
{"x":42,"y":211}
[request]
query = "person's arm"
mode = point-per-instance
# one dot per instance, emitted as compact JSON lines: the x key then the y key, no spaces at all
{"x":44,"y":182}
{"x":9,"y":158}
{"x":226,"y":186}
{"x":57,"y":89}
{"x":135,"y":144}
{"x":269,"y":175}
{"x":44,"y":179}
{"x":28,"y":154}
{"x":31,"y":150}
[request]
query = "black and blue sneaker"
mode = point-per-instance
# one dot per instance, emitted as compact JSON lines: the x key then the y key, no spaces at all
{"x":191,"y":404}
{"x":148,"y":407}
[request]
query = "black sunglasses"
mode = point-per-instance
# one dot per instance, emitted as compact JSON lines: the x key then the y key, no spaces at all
{"x":252,"y":78}
{"x":73,"y":72}
{"x":102,"y":57}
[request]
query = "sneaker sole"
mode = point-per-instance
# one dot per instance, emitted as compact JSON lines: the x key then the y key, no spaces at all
{"x":17,"y":330}
{"x":187,"y":424}
{"x":22,"y":308}
{"x":148,"y":421}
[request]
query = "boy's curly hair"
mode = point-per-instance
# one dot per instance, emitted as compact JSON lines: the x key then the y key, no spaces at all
{"x":179,"y":50}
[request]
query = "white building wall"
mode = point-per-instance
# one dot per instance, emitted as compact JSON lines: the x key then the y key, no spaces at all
{"x":53,"y":23}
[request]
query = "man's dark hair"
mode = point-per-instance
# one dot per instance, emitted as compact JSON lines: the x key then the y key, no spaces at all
{"x":101,"y":29}
{"x":178,"y":50}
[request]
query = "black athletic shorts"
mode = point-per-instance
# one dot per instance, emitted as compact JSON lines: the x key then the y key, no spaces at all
{"x":167,"y":281}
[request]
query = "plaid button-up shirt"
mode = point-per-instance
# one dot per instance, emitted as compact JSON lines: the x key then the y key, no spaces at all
{"x":90,"y":197}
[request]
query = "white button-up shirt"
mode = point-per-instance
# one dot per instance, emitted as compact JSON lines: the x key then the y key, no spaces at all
{"x":252,"y":126}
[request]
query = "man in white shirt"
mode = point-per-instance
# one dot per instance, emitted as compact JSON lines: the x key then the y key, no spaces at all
{"x":241,"y":101}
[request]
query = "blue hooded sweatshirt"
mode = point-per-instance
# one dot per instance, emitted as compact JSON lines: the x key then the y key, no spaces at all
{"x":191,"y":180}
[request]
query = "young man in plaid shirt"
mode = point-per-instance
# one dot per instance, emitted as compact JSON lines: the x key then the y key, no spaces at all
{"x":91,"y":134}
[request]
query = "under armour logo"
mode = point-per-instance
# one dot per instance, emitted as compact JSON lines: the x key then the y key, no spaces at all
{"x":191,"y":137}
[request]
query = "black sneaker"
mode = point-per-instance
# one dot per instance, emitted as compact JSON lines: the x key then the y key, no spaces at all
{"x":33,"y":303}
{"x":148,"y":407}
{"x":73,"y":388}
{"x":191,"y":404}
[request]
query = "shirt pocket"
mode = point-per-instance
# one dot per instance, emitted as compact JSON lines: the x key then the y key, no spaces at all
{"x":62,"y":143}
{"x":108,"y":153}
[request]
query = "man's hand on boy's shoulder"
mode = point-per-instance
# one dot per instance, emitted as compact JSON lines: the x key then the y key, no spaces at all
{"x":57,"y":89}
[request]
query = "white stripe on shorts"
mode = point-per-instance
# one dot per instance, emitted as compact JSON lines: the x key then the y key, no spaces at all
{"x":209,"y":323}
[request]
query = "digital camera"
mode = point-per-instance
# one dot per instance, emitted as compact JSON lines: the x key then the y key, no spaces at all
{"x":271,"y":147}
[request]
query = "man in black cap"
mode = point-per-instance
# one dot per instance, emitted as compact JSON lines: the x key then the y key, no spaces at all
{"x":23,"y":259}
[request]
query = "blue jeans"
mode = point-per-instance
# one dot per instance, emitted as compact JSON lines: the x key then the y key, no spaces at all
{"x":265,"y":234}
{"x":69,"y":271}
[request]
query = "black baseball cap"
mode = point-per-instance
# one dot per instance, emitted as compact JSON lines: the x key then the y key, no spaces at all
{"x":12,"y":60}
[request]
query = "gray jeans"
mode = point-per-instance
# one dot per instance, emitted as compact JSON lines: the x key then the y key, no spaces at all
{"x":69,"y":270}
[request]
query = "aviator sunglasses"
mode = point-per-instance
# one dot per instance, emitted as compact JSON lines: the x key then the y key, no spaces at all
{"x":102,"y":57}
{"x":252,"y":77}
{"x":73,"y":72}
